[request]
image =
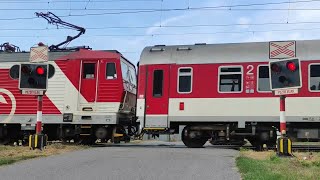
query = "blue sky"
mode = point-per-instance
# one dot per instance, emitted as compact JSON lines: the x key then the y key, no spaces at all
{"x":131,"y":41}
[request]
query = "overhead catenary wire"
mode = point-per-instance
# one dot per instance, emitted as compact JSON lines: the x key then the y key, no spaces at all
{"x":220,"y":7}
{"x":171,"y":34}
{"x":67,"y":1}
{"x":137,"y":11}
{"x":167,"y":26}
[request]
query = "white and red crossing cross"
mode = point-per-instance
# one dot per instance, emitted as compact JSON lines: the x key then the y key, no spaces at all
{"x":282,"y":49}
{"x":39,"y":54}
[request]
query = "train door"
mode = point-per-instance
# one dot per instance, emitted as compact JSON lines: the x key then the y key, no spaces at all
{"x":108,"y":84}
{"x":157,"y":96}
{"x":88,"y":83}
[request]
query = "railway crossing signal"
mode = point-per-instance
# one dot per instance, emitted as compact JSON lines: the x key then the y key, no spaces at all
{"x":285,"y":74}
{"x":33,"y":80}
{"x":285,"y":78}
{"x":33,"y":76}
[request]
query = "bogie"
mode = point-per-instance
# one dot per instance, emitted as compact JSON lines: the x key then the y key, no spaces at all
{"x":193,"y":138}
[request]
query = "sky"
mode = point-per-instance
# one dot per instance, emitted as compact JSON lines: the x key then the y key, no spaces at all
{"x":130,"y":25}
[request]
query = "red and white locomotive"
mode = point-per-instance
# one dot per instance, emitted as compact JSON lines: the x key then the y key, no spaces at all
{"x":221,"y":92}
{"x":92,"y":95}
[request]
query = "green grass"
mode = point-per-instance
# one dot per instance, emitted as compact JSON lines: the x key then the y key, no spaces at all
{"x":255,"y":169}
{"x":11,"y":154}
{"x":11,"y":160}
{"x":252,"y":166}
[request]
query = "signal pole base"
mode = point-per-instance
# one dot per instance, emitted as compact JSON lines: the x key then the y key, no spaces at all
{"x":38,"y":141}
{"x":284,"y":147}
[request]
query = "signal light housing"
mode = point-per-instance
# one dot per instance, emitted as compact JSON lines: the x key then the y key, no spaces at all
{"x":33,"y":76}
{"x":285,"y":74}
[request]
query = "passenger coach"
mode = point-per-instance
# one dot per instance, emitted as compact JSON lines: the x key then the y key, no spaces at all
{"x":221,"y":92}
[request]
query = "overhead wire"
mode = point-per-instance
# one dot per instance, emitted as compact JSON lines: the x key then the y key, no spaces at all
{"x":220,"y":7}
{"x":180,"y":26}
{"x":176,"y":34}
{"x":168,"y":26}
{"x":64,"y":1}
{"x":137,"y":11}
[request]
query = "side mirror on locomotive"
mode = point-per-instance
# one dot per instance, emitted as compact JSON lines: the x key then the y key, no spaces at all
{"x":285,"y":74}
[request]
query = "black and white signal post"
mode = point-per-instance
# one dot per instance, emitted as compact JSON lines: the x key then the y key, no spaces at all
{"x":33,"y":80}
{"x":285,"y":79}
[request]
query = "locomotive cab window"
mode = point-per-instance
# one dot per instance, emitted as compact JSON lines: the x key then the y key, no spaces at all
{"x":230,"y":79}
{"x":157,"y":83}
{"x":314,"y":77}
{"x":128,"y":73}
{"x":185,"y":80}
{"x":263,"y":79}
{"x":88,"y":70}
{"x":111,"y":71}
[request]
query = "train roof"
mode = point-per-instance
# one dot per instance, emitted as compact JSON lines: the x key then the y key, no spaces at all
{"x":222,"y":53}
{"x":80,"y":54}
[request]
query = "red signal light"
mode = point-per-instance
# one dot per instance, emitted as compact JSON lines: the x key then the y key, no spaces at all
{"x":275,"y":68}
{"x":40,"y":70}
{"x":291,"y":66}
{"x":25,"y":69}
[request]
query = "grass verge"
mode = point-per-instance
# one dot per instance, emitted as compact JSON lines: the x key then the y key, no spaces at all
{"x":267,"y":165}
{"x":11,"y":154}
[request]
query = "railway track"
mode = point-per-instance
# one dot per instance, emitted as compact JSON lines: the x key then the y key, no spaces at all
{"x":302,"y":148}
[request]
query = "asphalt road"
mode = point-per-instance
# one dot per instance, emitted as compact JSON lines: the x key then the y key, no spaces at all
{"x":139,"y":162}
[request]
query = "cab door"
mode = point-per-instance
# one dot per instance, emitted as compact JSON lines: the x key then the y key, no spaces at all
{"x":88,"y":81}
{"x":157,"y":96}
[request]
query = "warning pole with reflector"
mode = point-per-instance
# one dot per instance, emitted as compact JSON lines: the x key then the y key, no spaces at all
{"x":283,"y":122}
{"x":38,"y":56}
{"x":39,"y":115}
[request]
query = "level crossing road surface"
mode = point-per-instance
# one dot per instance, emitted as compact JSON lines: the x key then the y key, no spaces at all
{"x":145,"y":161}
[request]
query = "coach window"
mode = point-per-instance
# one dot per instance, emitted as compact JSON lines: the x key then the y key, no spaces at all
{"x":263,"y":79}
{"x":314,"y":77}
{"x":230,"y":79}
{"x":157,"y":83}
{"x":88,"y":70}
{"x":111,"y":71}
{"x":185,"y":80}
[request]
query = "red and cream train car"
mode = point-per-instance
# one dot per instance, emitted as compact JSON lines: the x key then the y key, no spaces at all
{"x":221,"y":93}
{"x":92,"y":95}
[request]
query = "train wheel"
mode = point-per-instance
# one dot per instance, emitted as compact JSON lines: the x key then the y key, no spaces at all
{"x":84,"y":140}
{"x":5,"y":141}
{"x":256,"y":144}
{"x":104,"y":134}
{"x":192,"y":139}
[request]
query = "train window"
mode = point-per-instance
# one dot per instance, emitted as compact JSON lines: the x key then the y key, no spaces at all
{"x":230,"y":69}
{"x":157,"y":83}
{"x":133,"y":75}
{"x":111,"y":71}
{"x":185,"y":80}
{"x":314,"y":77}
{"x":124,"y":69}
{"x":128,"y":73}
{"x":88,"y":70}
{"x":263,"y":79}
{"x":230,"y":79}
